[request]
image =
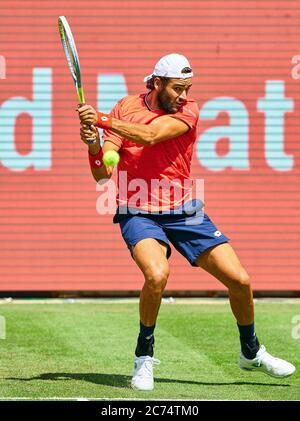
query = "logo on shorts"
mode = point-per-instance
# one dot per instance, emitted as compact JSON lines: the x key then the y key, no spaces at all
{"x":217,"y":233}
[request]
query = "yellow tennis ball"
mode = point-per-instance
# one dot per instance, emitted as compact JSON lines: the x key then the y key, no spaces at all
{"x":111,"y":158}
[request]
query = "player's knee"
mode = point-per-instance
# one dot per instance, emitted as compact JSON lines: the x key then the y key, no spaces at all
{"x":240,"y":282}
{"x":244,"y":279}
{"x":156,"y":277}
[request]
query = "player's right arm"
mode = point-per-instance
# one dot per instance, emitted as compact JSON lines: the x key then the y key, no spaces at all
{"x":102,"y":172}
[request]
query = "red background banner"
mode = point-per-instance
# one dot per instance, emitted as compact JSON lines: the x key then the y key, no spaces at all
{"x":52,"y":237}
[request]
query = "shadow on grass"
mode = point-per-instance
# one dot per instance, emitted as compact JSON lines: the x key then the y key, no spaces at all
{"x":118,"y":380}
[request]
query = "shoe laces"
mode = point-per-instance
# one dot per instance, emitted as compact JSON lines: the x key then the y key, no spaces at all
{"x":145,"y":367}
{"x":265,"y":357}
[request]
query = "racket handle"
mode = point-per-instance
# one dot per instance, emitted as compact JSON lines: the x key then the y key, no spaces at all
{"x":92,"y":140}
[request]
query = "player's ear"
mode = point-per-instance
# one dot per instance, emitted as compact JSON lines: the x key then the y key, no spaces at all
{"x":157,"y":84}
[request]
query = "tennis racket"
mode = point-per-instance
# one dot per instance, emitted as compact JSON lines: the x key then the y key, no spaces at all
{"x":71,"y":54}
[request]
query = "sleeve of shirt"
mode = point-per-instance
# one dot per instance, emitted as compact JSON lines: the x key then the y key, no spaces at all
{"x":116,"y":112}
{"x":189,"y":114}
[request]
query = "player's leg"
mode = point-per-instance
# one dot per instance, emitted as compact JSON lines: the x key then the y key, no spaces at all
{"x":150,"y":249}
{"x":222,"y":262}
{"x":151,"y":257}
{"x":200,"y":241}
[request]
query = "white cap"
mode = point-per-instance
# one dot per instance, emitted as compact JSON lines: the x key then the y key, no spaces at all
{"x":171,"y":66}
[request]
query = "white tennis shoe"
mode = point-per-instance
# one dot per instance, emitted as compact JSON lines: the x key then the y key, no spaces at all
{"x":268,"y":364}
{"x":142,"y":378}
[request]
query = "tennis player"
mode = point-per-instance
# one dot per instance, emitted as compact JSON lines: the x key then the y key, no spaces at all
{"x":154,"y":133}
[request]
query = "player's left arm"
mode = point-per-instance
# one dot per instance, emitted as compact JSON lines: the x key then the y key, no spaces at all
{"x":159,"y":130}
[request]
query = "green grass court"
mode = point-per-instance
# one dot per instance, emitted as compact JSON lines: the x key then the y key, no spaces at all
{"x":85,"y":350}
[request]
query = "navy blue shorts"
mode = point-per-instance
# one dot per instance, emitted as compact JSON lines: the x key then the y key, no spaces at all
{"x":190,"y":235}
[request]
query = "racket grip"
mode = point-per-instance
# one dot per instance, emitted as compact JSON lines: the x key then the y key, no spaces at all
{"x":92,"y":140}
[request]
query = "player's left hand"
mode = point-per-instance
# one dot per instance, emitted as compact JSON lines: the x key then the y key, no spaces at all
{"x":88,"y":133}
{"x":87,"y":114}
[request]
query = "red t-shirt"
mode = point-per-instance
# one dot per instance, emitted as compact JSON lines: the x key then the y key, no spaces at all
{"x":141,"y":168}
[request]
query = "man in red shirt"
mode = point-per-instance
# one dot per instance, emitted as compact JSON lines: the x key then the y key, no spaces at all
{"x":155,"y":134}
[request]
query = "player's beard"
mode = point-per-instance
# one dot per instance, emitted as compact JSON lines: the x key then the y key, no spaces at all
{"x":164,"y":102}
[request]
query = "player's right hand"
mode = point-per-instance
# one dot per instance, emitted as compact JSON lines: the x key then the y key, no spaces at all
{"x":88,"y":132}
